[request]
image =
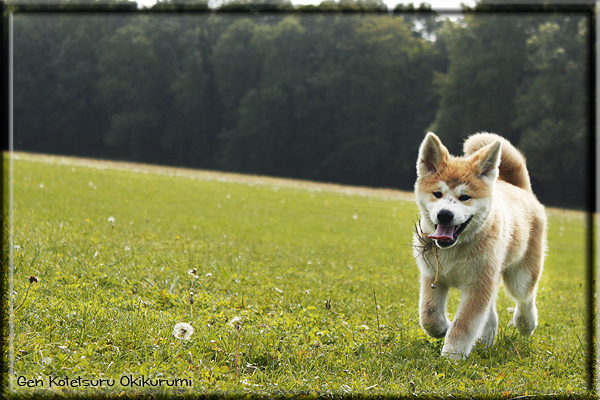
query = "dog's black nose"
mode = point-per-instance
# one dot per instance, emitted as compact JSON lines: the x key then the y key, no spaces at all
{"x":445,"y":217}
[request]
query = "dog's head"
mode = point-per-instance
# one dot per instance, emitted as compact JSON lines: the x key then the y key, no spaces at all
{"x":454,"y":194}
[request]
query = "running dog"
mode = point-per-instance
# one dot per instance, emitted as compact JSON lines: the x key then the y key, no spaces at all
{"x":480,"y":224}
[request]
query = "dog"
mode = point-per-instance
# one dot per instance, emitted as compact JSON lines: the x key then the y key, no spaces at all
{"x":479,"y":224}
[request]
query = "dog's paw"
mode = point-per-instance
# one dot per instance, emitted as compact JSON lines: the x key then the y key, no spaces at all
{"x":487,"y":339}
{"x":525,"y":326}
{"x":436,"y":332}
{"x":454,"y":352}
{"x":525,"y":321}
{"x":435,"y":324}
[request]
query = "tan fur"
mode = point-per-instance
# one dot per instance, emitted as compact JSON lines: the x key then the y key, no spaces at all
{"x":512,"y":163}
{"x":503,"y":238}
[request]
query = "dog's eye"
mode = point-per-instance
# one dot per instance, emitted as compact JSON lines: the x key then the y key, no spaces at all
{"x":438,"y":195}
{"x":464,"y":197}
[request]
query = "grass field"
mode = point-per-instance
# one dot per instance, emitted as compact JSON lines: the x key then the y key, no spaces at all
{"x":288,"y":275}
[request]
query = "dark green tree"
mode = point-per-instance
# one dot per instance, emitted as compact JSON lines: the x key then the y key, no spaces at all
{"x":34,"y":103}
{"x":135,"y":88}
{"x":487,"y":59}
{"x":391,"y":101}
{"x":553,"y":110}
{"x":56,"y":72}
{"x":195,"y":118}
{"x":337,"y":98}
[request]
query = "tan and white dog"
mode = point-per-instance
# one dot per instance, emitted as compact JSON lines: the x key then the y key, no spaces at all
{"x":480,"y":223}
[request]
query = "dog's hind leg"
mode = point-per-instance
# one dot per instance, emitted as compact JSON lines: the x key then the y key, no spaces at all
{"x":520,"y":283}
{"x":525,"y":318}
{"x":521,"y":280}
{"x":491,"y":326}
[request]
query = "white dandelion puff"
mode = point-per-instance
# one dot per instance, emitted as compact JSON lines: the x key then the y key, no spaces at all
{"x":111,"y":220}
{"x":183,"y":331}
{"x":236,"y":322}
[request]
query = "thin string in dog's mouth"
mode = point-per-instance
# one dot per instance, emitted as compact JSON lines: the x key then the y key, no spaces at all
{"x":427,"y":245}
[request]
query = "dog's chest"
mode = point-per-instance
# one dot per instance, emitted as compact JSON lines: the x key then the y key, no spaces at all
{"x":456,"y":268}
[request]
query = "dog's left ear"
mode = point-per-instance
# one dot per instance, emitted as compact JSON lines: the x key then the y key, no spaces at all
{"x":490,"y":157}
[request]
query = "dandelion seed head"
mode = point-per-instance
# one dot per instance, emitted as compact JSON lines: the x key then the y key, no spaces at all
{"x":183,"y":331}
{"x":236,"y":322}
{"x":111,"y":220}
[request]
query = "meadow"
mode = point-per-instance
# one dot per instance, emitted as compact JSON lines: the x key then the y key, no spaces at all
{"x":298,"y":289}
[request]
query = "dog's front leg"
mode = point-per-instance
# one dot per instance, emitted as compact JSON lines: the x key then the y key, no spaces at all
{"x":432,"y":307}
{"x":470,"y":319}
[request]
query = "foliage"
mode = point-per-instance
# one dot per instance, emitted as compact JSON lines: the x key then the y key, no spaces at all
{"x":284,"y":284}
{"x":478,"y":92}
{"x":330,"y":96}
{"x":552,"y":112}
{"x":534,"y":92}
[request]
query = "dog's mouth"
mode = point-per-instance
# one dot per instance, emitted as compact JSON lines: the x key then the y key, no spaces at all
{"x":447,"y":235}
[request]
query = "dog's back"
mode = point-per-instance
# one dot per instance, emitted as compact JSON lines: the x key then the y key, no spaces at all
{"x":512,"y":163}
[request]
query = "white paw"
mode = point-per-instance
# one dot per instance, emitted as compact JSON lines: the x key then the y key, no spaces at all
{"x":454,"y":352}
{"x":488,"y":338}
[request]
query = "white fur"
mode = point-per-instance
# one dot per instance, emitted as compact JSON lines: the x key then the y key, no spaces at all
{"x":505,"y":239}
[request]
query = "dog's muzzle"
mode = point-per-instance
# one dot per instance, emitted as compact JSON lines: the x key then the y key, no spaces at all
{"x":447,"y":235}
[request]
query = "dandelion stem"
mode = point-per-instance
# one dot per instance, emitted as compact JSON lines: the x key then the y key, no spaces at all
{"x":191,"y":305}
{"x":31,"y":280}
{"x":237,"y":349}
{"x":191,"y":299}
{"x":379,"y":337}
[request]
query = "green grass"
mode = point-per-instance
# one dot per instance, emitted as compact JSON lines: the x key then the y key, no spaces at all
{"x":273,"y":255}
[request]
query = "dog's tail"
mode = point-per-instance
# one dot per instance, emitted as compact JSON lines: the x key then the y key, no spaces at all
{"x":512,"y":162}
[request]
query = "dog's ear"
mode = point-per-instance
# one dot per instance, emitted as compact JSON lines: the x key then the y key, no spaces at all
{"x":432,"y":154}
{"x":489,"y":161}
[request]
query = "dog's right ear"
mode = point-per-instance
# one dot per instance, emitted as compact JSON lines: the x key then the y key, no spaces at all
{"x":432,"y":154}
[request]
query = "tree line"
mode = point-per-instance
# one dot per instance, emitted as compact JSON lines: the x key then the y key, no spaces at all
{"x":341,"y":97}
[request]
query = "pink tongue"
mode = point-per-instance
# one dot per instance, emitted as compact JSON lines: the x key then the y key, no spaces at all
{"x":443,"y":233}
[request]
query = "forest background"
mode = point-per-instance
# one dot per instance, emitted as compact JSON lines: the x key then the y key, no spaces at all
{"x":334,"y":96}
